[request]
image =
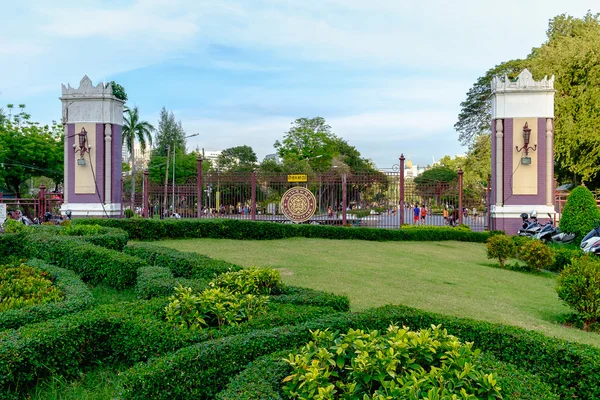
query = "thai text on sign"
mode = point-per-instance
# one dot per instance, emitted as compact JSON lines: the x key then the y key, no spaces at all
{"x":297,"y":178}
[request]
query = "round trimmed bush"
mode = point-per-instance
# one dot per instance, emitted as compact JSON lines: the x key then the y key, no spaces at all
{"x":536,"y":255}
{"x":501,"y":247}
{"x":580,"y":213}
{"x":579,"y":287}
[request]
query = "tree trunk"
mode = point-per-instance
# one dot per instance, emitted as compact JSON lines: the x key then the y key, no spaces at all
{"x":132,"y":173}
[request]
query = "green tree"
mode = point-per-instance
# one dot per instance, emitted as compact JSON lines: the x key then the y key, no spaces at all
{"x":118,"y":91}
{"x":437,"y":174}
{"x":134,"y":128}
{"x":580,"y":213}
{"x":170,"y":133}
{"x":28,"y":150}
{"x":239,"y":158}
{"x":309,"y":140}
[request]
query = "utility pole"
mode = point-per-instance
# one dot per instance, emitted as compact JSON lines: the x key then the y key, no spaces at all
{"x":166,"y":180}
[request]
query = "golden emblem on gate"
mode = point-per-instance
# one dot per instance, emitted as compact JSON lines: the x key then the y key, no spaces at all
{"x":298,"y":204}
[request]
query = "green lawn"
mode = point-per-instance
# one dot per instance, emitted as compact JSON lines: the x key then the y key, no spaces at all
{"x":447,"y":277}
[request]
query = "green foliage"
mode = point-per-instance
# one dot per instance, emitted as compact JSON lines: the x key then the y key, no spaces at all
{"x":147,"y":229}
{"x":536,"y":255}
{"x":580,"y":213}
{"x":76,"y":297}
{"x":92,"y":263}
{"x":129,"y":213}
{"x":579,"y":287}
{"x":22,"y":286}
{"x":118,"y":91}
{"x":304,"y":296}
{"x":213,"y":307}
{"x":28,"y":150}
{"x":160,"y":282}
{"x":501,"y":247}
{"x":437,"y":174}
{"x":263,"y":281}
{"x":14,"y":226}
{"x":563,"y":256}
{"x":181,"y":264}
{"x":399,"y":364}
{"x":202,"y":370}
{"x":262,"y":380}
{"x":81,"y":230}
{"x":239,"y":158}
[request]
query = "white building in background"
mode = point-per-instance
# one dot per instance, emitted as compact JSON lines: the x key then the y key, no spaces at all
{"x":142,"y":158}
{"x":212,"y":156}
{"x":273,"y":156}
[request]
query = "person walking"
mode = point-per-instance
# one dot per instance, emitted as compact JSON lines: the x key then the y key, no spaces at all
{"x":417,"y":213}
{"x":423,"y":213}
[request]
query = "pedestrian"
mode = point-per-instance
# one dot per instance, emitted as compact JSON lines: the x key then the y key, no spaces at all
{"x":416,"y":212}
{"x":445,"y":213}
{"x":423,"y":213}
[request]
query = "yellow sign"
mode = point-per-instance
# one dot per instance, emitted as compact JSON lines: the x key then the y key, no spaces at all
{"x":297,"y":178}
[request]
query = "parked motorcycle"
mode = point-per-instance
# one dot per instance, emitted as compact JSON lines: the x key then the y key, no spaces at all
{"x":532,"y":227}
{"x":591,"y":240}
{"x":546,"y":232}
{"x":563,"y":237}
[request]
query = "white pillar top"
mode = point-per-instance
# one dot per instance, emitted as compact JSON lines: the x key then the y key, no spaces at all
{"x":523,"y":97}
{"x":89,"y":103}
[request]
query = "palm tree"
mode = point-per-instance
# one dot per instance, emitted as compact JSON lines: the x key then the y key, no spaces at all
{"x":134,"y":128}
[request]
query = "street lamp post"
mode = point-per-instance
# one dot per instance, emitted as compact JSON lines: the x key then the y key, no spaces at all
{"x":174,"y":148}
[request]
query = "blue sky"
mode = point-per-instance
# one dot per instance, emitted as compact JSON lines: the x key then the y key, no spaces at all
{"x":387,"y":75}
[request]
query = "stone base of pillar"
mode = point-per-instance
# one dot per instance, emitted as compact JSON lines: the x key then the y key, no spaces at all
{"x":507,"y":218}
{"x":83,"y":210}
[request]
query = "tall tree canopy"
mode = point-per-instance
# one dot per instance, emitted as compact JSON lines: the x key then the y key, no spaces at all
{"x":571,"y":54}
{"x":28,"y":150}
{"x":169,"y":133}
{"x":239,"y":158}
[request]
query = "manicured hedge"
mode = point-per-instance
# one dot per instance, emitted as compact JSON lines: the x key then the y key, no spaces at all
{"x":310,"y":297}
{"x":160,"y":282}
{"x":263,"y":378}
{"x":92,"y":263}
{"x":151,"y":229}
{"x":563,"y":256}
{"x":12,"y":244}
{"x":203,"y":370}
{"x":77,"y":297}
{"x":182,"y":264}
{"x":124,"y":333}
{"x":111,"y":238}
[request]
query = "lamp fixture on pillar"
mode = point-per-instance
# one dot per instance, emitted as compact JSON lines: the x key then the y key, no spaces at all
{"x":526,"y":147}
{"x":83,"y":146}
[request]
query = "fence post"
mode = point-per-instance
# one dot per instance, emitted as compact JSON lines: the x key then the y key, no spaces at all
{"x":42,"y":200}
{"x":145,"y":199}
{"x":489,"y":202}
{"x":253,"y":204}
{"x":344,"y":201}
{"x":460,"y":196}
{"x":199,"y":188}
{"x":401,"y":203}
{"x":122,"y":198}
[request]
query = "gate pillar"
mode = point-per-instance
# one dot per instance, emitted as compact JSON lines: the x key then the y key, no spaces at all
{"x":522,"y":150}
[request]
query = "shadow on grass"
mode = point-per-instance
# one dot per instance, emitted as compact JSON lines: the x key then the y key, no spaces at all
{"x":519,"y":266}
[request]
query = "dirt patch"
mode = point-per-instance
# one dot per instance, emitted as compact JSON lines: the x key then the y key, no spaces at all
{"x":285,"y":272}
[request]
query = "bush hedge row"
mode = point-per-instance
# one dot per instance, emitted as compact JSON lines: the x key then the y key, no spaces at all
{"x":160,"y":282}
{"x":124,"y":333}
{"x":111,"y":238}
{"x":203,"y":370}
{"x":262,"y":379}
{"x":77,"y":297}
{"x":92,"y":263}
{"x":310,"y":297}
{"x":181,"y":264}
{"x":151,"y":229}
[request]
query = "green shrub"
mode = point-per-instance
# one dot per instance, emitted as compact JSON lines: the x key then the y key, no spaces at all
{"x":22,"y":286}
{"x":536,"y":255}
{"x":203,"y":370}
{"x":214,"y":307}
{"x":14,"y":226}
{"x":398,"y":364}
{"x":81,"y":230}
{"x":250,"y":281}
{"x":129,"y":213}
{"x":186,"y":265}
{"x":77,"y":297}
{"x":305,"y":296}
{"x":160,"y":282}
{"x":150,"y":229}
{"x":93,"y":264}
{"x":579,"y":287}
{"x":580,"y":213}
{"x":111,"y":238}
{"x":122,"y":333}
{"x":501,"y":247}
{"x":563,"y":256}
{"x":262,"y":380}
